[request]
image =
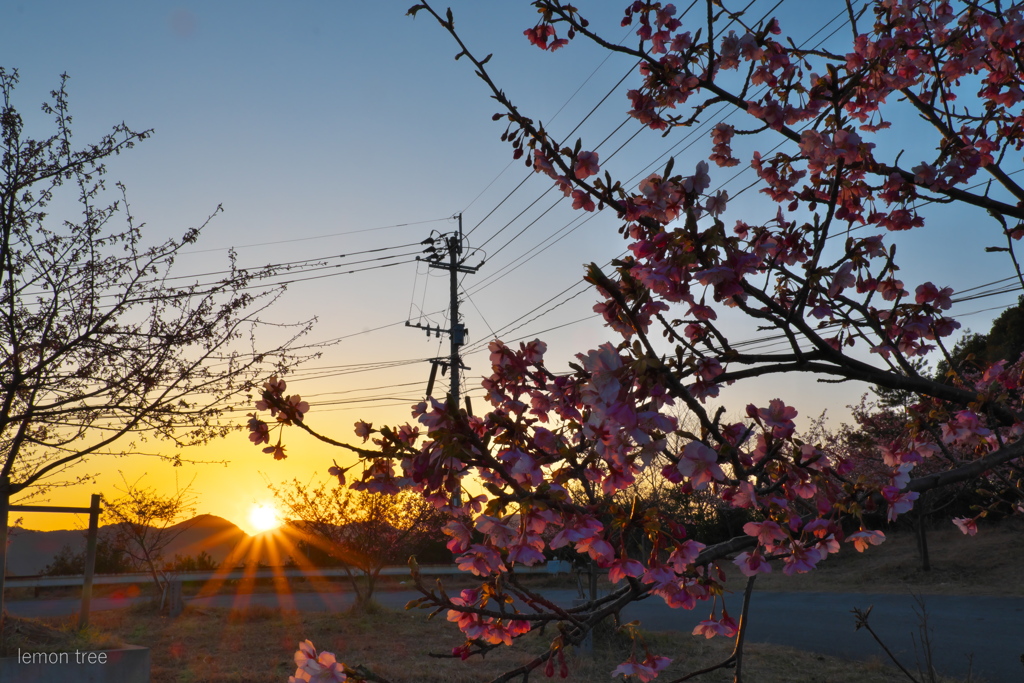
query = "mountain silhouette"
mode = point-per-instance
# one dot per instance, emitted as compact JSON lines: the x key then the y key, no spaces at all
{"x":31,"y":551}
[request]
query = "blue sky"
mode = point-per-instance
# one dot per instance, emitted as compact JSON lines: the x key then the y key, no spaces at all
{"x":328,"y":128}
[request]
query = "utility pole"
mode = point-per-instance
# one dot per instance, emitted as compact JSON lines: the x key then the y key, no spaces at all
{"x":445,"y":252}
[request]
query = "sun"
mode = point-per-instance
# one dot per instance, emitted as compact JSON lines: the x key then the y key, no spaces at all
{"x":264,"y":517}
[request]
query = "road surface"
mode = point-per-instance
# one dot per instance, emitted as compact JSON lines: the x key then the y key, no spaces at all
{"x":983,"y":633}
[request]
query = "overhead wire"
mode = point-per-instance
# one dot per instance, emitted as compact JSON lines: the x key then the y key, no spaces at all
{"x":616,"y":151}
{"x":553,"y":117}
{"x":286,"y":264}
{"x":600,"y":144}
{"x":1005,"y":290}
{"x":316,"y":237}
{"x":577,"y":127}
{"x":554,"y":238}
{"x":576,"y":284}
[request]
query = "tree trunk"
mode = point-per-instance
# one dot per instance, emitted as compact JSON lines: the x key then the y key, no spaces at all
{"x":5,"y":501}
{"x":354,"y":582}
{"x":922,"y":539}
{"x":371,"y":581}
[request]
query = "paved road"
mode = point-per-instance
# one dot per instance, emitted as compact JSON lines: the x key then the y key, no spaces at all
{"x":991,"y":629}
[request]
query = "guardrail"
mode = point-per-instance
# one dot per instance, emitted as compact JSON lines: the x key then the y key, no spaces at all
{"x":553,"y":567}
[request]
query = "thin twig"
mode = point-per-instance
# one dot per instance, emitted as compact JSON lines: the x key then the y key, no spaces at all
{"x":862,"y":622}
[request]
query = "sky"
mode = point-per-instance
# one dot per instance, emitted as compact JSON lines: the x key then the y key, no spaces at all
{"x":330,"y":128}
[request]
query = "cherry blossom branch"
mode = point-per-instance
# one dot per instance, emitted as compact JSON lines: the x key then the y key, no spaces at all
{"x":678,"y":390}
{"x":280,"y":404}
{"x":708,"y":84}
{"x":969,"y":470}
{"x":1009,"y":246}
{"x":950,"y":137}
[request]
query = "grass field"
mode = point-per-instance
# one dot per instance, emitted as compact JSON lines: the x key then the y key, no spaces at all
{"x":256,"y":645}
{"x":987,"y":564}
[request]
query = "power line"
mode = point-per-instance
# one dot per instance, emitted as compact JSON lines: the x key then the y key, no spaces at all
{"x":286,"y":264}
{"x":688,"y":136}
{"x":317,"y":237}
{"x":616,"y":151}
{"x":563,"y":232}
{"x":577,"y":127}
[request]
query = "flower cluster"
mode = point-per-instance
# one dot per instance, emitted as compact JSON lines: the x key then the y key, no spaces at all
{"x":286,"y":409}
{"x":316,"y":668}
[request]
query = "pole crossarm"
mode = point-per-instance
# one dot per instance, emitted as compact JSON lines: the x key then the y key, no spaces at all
{"x":437,"y":329}
{"x":458,"y":268}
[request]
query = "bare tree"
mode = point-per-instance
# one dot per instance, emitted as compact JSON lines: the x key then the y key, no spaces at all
{"x":97,"y":340}
{"x":363,"y":530}
{"x":101,"y":348}
{"x":146,"y":523}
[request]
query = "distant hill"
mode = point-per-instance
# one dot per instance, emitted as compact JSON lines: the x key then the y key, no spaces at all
{"x":31,"y":551}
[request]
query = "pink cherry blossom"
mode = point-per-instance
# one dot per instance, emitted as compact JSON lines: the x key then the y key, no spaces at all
{"x":259,"y":431}
{"x":752,"y":563}
{"x":586,"y":166}
{"x":461,"y":535}
{"x":800,"y":560}
{"x":711,"y":627}
{"x":539,"y":35}
{"x":862,"y":540}
{"x":779,"y":417}
{"x":528,"y":553}
{"x":968,"y":526}
{"x":716,"y":205}
{"x":684,"y":555}
{"x":599,"y":549}
{"x":363,"y":429}
{"x":623,"y":567}
{"x":767,"y":532}
{"x":314,"y":668}
{"x":582,"y":200}
{"x":576,"y":530}
{"x":480,"y":560}
{"x":699,"y":181}
{"x":646,"y":671}
{"x":700,"y":464}
{"x":899,"y":501}
{"x":541,"y":164}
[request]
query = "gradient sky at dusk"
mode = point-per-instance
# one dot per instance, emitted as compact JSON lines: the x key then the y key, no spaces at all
{"x":328,"y":128}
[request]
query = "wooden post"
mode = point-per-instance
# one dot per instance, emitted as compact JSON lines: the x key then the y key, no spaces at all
{"x":175,"y":601}
{"x":586,"y":647}
{"x":922,"y":540}
{"x":90,"y":560}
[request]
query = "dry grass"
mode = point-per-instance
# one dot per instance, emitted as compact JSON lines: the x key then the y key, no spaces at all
{"x":36,"y":635}
{"x":986,"y":564}
{"x":257,"y":645}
